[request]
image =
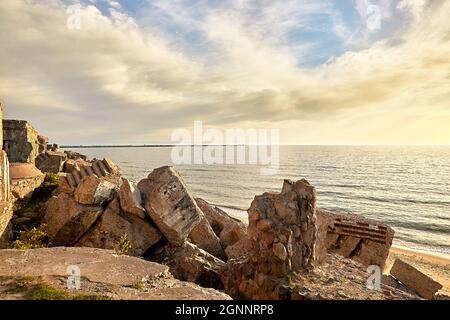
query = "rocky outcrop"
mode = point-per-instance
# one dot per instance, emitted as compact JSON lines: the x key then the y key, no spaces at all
{"x":355,"y":237}
{"x":67,"y":220}
{"x":190,"y":263}
{"x":25,"y":178}
{"x":94,"y":190}
{"x":103,"y":273}
{"x":280,"y":240}
{"x":50,"y":161}
{"x":169,"y":204}
{"x":114,"y":224}
{"x":131,"y":199}
{"x":20,"y":141}
{"x":413,"y":279}
{"x":229,"y":230}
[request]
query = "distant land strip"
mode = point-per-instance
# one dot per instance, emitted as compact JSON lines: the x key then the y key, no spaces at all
{"x":150,"y":146}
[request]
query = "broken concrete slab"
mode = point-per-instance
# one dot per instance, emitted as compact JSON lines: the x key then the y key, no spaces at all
{"x":92,"y":190}
{"x":414,"y":279}
{"x":353,"y":236}
{"x":169,"y":204}
{"x":67,"y":220}
{"x":113,"y":225}
{"x":131,"y":199}
{"x":50,"y":161}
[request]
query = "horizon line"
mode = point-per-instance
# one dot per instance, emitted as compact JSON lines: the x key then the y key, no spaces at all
{"x":163,"y":145}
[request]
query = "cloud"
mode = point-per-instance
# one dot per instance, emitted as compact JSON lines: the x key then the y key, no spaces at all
{"x":132,"y":78}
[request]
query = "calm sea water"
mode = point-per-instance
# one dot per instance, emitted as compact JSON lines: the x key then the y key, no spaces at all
{"x":406,"y":187}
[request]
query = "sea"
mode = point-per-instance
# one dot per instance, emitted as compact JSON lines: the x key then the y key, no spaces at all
{"x":406,"y":187}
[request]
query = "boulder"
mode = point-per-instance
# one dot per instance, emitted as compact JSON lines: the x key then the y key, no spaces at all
{"x":228,"y":229}
{"x":50,"y":161}
{"x":413,"y":279}
{"x":67,"y":220}
{"x":169,"y":204}
{"x":75,"y":155}
{"x":352,"y":236}
{"x":93,"y":190}
{"x":111,"y":167}
{"x":24,"y":178}
{"x":102,"y":273}
{"x":64,"y":184}
{"x":190,"y":263}
{"x":204,"y":237}
{"x":236,"y":250}
{"x":20,"y":141}
{"x":113,"y":225}
{"x":131,"y":199}
{"x":72,"y":165}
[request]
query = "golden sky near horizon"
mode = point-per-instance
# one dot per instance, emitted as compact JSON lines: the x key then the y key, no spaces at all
{"x":313,"y":69}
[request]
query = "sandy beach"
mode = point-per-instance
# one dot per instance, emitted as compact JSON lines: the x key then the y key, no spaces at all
{"x":435,"y":265}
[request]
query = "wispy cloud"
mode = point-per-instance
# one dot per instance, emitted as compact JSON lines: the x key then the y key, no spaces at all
{"x":132,"y":75}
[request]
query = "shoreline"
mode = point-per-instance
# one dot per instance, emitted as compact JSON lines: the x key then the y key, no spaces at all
{"x":431,"y":255}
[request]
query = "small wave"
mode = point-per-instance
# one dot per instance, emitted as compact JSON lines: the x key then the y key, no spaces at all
{"x":385,"y":199}
{"x":244,"y":211}
{"x":422,"y":226}
{"x":418,"y":245}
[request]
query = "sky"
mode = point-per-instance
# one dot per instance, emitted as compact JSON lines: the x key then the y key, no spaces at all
{"x":347,"y":72}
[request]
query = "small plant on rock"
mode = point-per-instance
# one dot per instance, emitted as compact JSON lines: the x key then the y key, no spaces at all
{"x":123,"y":246}
{"x":139,"y":285}
{"x":32,"y":239}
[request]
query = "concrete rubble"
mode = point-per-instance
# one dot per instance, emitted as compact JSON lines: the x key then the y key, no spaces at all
{"x":415,"y":280}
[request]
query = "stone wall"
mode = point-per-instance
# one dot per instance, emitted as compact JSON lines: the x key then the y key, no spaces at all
{"x":20,"y":141}
{"x":281,"y":240}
